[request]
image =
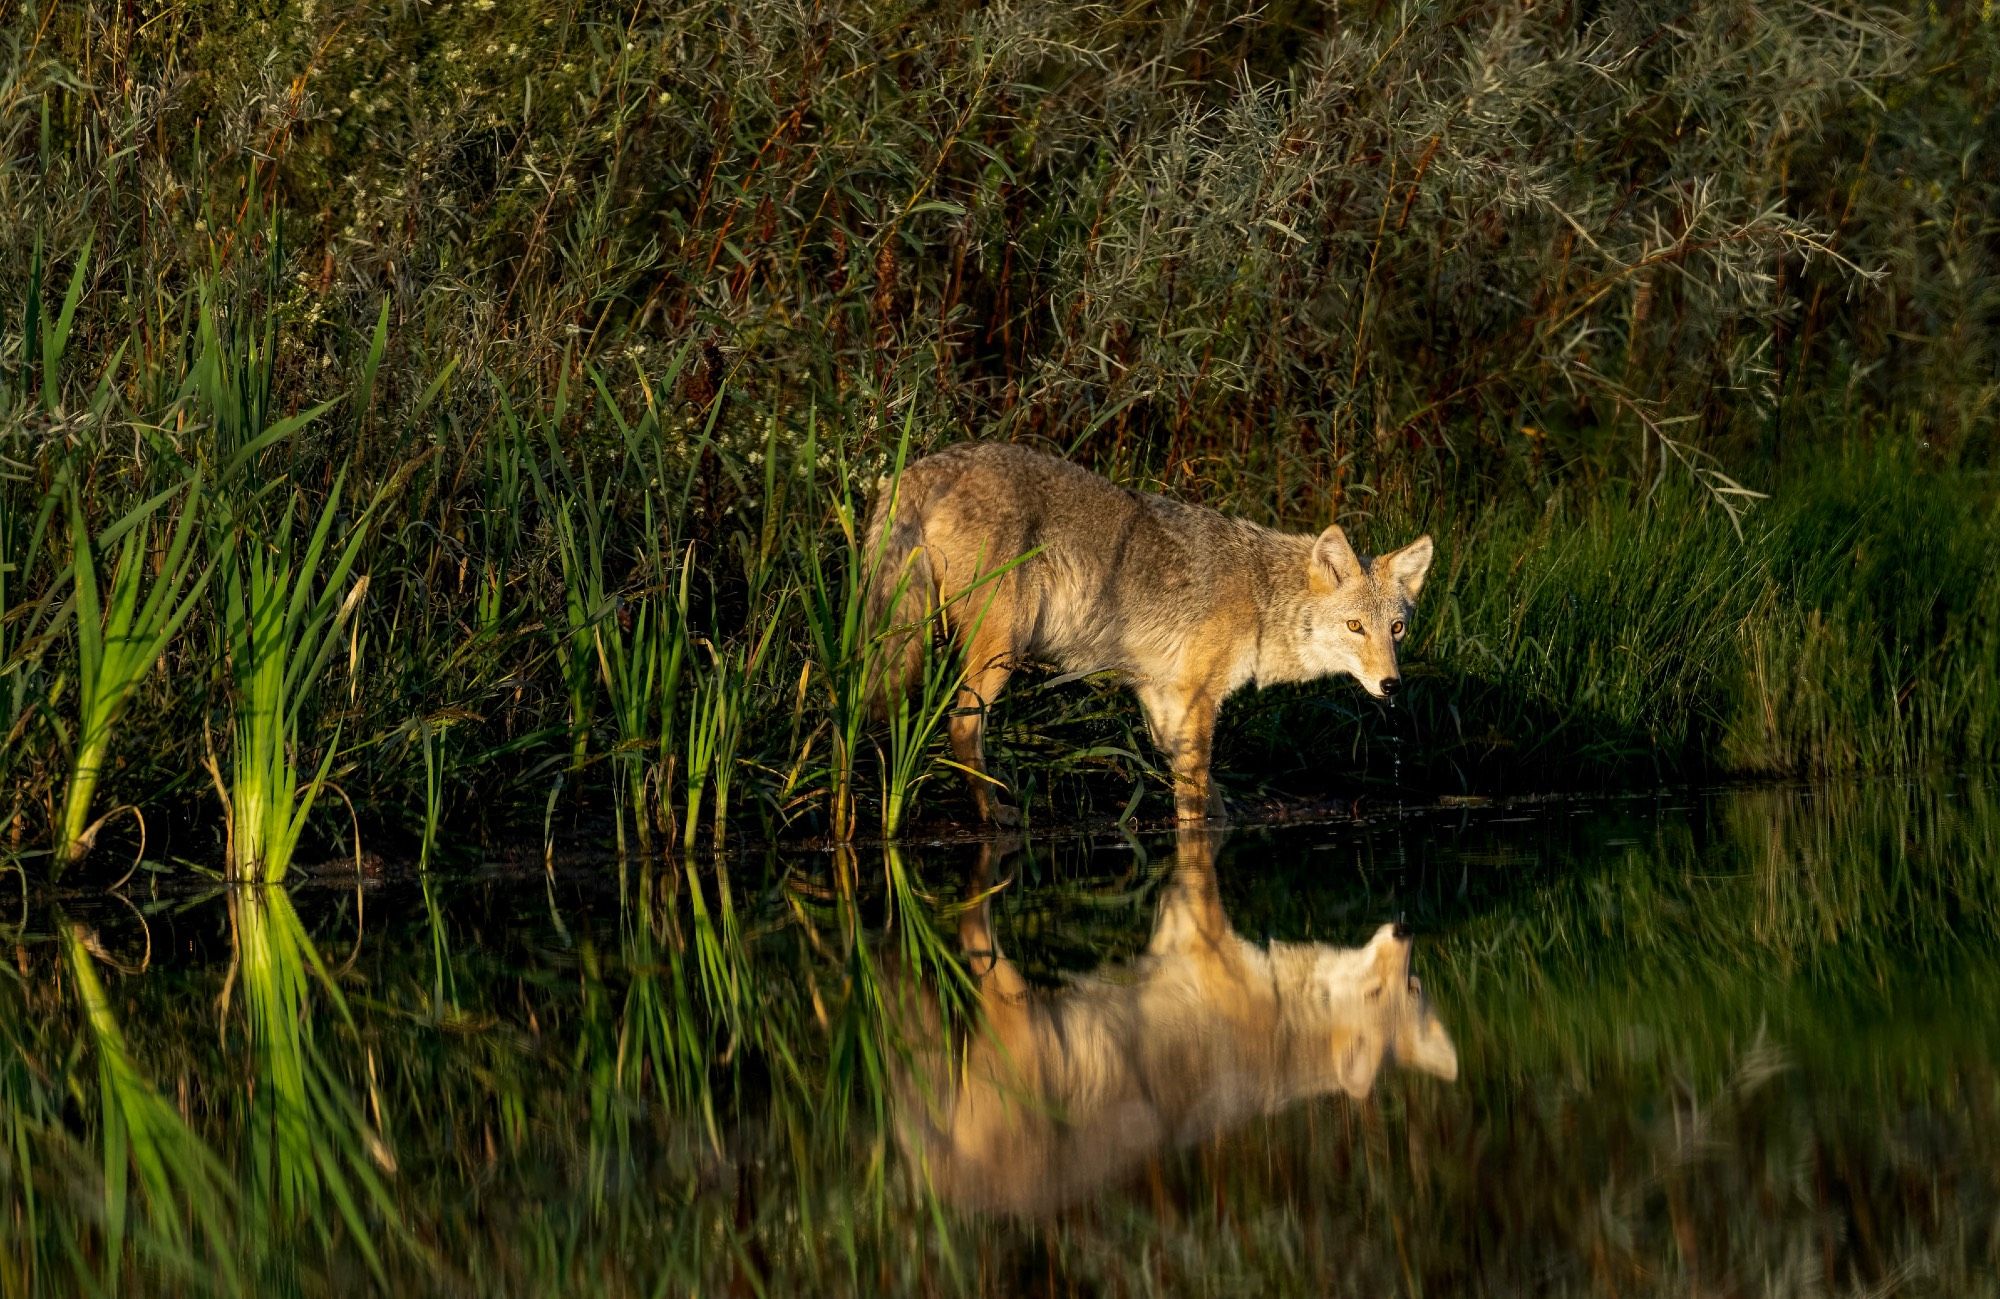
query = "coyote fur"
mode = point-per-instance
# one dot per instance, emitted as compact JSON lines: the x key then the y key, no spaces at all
{"x":1187,"y":604}
{"x":1045,"y":1096}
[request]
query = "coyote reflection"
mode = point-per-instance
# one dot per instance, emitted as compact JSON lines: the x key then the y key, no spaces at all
{"x":1048,"y":1095}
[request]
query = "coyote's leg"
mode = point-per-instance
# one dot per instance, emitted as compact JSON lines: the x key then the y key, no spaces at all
{"x":1191,"y":914}
{"x":992,"y":973}
{"x":1183,"y":726}
{"x":988,"y":664}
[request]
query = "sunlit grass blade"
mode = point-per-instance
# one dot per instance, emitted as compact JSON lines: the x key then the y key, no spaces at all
{"x":283,"y":609}
{"x":848,"y":647}
{"x":721,"y":700}
{"x":119,"y":638}
{"x":641,"y":666}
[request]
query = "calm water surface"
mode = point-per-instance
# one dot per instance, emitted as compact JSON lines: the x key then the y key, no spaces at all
{"x":1729,"y":1044}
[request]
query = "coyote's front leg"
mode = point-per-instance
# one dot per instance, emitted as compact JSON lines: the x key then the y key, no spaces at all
{"x":1182,"y":721}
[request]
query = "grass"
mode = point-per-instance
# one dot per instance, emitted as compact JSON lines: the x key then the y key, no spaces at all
{"x":117,"y":643}
{"x":673,"y":626}
{"x":695,"y":669}
{"x":279,"y":634}
{"x":1597,"y":641}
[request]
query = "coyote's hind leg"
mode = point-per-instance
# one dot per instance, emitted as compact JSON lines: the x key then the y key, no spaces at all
{"x":988,"y":664}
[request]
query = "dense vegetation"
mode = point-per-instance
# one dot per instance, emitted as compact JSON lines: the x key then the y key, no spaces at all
{"x":450,"y":419}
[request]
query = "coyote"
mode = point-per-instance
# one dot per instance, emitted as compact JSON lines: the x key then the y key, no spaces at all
{"x":1046,"y":1096}
{"x":1187,"y":604}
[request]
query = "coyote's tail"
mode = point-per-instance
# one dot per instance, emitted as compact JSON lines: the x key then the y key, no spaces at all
{"x":901,"y":590}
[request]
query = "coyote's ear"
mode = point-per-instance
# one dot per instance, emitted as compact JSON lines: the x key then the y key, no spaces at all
{"x":1389,"y":950}
{"x":1334,"y":557}
{"x":1409,"y":565}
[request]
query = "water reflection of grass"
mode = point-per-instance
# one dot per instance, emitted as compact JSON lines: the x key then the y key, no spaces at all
{"x":1742,"y":1055}
{"x":165,"y":1193}
{"x":1827,"y":902}
{"x":313,"y":1158}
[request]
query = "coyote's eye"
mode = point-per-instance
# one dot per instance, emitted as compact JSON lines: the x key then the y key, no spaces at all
{"x":1354,"y":625}
{"x":1396,"y":627}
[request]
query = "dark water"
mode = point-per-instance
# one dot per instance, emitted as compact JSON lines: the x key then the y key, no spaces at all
{"x":1731,"y":1044}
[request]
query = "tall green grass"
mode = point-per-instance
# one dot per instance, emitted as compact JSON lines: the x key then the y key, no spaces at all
{"x":118,"y":640}
{"x":1597,"y":639}
{"x":680,"y":687}
{"x":284,"y":605}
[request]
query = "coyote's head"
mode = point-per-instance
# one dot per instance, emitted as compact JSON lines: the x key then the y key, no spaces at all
{"x":1379,"y":1013}
{"x":1360,"y":608}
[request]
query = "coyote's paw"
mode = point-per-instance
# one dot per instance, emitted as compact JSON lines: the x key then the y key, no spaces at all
{"x":1213,"y":812}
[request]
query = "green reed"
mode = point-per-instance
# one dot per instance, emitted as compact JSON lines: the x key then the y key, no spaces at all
{"x":578,"y":509}
{"x":118,"y":640}
{"x":725,"y":682}
{"x":642,"y":650}
{"x":850,"y":655}
{"x":51,"y":336}
{"x":284,"y":606}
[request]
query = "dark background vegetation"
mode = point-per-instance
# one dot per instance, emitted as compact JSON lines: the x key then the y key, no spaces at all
{"x":597,"y":288}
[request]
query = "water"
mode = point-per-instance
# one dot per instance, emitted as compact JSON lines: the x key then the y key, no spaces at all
{"x":1729,"y":1044}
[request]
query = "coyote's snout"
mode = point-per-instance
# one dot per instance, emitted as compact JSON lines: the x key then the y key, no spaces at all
{"x":1187,"y":604}
{"x":1045,"y":1096}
